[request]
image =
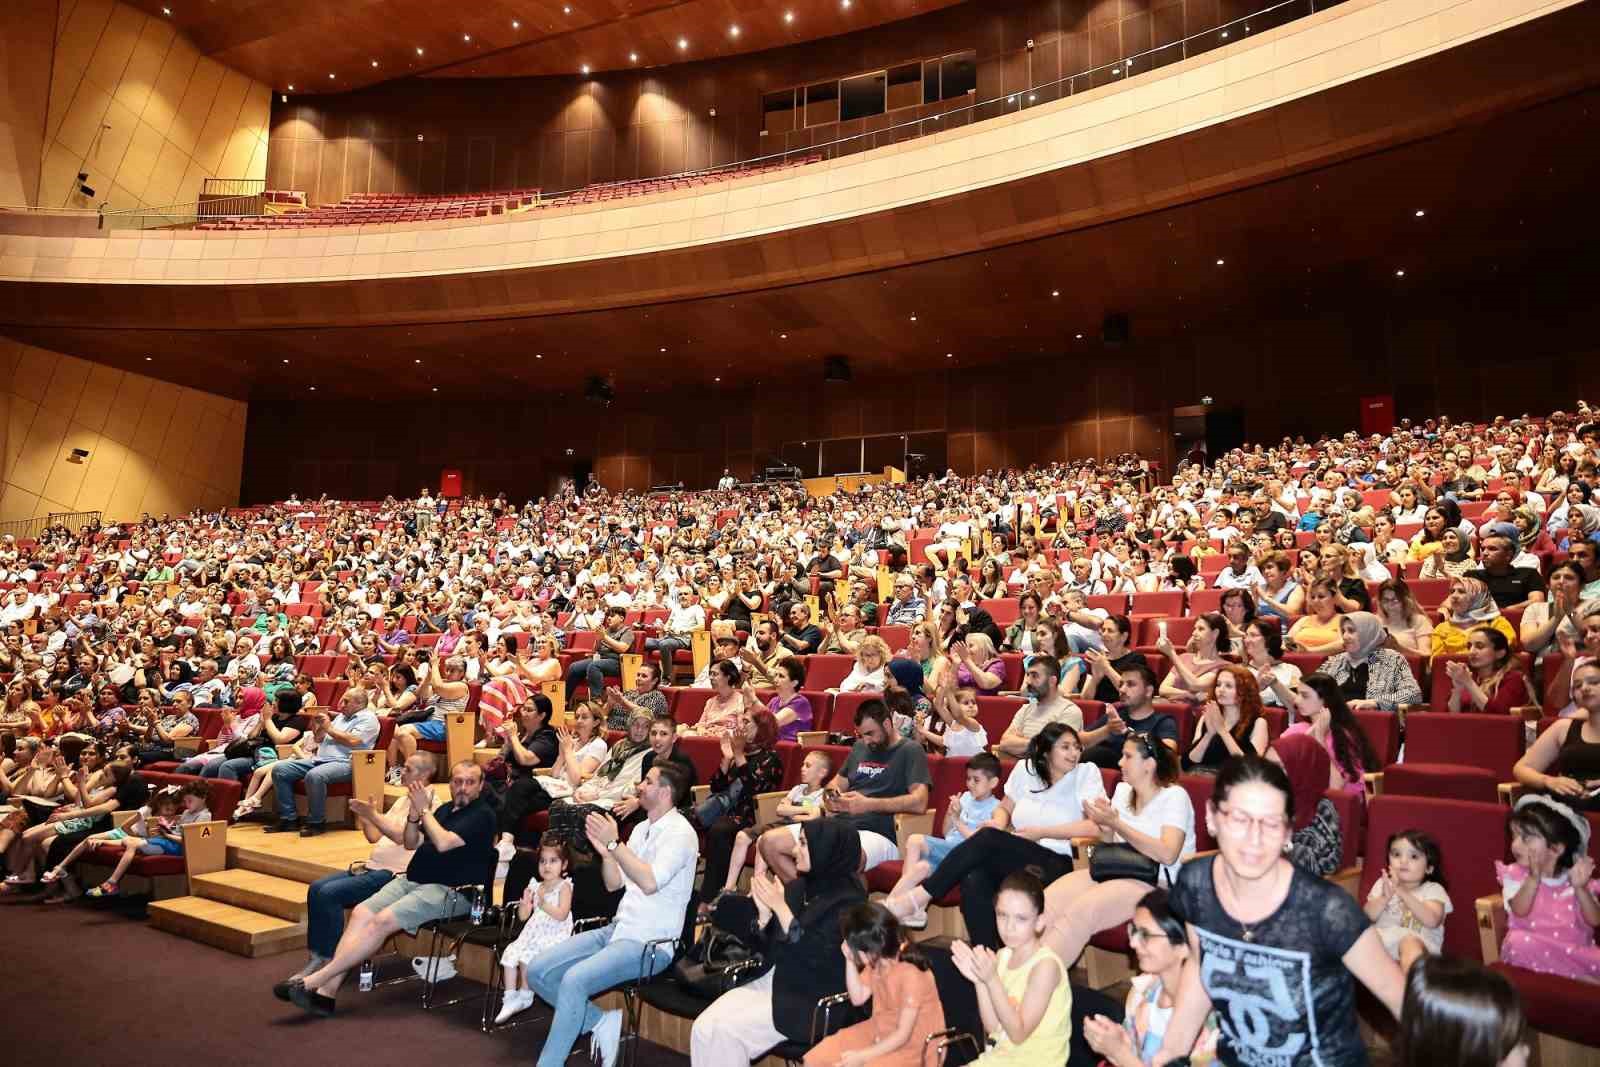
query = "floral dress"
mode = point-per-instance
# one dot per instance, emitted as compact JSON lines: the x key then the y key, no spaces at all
{"x":542,"y":930}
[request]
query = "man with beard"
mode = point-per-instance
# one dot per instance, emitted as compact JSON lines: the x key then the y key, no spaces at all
{"x":1046,"y":704}
{"x":883,"y":776}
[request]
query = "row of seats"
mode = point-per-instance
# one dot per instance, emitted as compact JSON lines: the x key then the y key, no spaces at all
{"x":361,"y":209}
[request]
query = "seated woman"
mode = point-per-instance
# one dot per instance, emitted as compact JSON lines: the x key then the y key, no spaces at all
{"x":1263,"y":655}
{"x":1453,"y":559}
{"x":730,"y":695}
{"x":789,"y":706}
{"x":1370,"y":675}
{"x":1565,"y":761}
{"x":799,"y":929}
{"x":1151,"y":813}
{"x":1489,"y":680}
{"x":1543,"y":619}
{"x":1192,"y":669}
{"x":1323,"y":715}
{"x":1050,"y":639}
{"x":977,"y":664}
{"x":1318,"y":631}
{"x":1231,"y":723}
{"x":1279,"y":595}
{"x":1350,"y":589}
{"x":1430,"y":539}
{"x":867,"y":674}
{"x":1044,"y":809}
{"x":1161,"y":947}
{"x":1410,"y":629}
{"x":1317,"y":843}
{"x":1105,"y":668}
{"x":750,"y":766}
{"x":544,"y":665}
{"x":1239,"y":608}
{"x":1468,"y":607}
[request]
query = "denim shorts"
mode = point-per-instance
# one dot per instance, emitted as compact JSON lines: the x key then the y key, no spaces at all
{"x":938,"y":849}
{"x":430,"y":729}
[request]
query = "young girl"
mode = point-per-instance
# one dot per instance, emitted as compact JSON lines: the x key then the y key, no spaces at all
{"x":1549,"y":892}
{"x":1023,"y":993}
{"x":1408,"y":903}
{"x":255,"y":793}
{"x":157,"y":830}
{"x":804,"y":802}
{"x":906,"y":1011}
{"x":547,"y":912}
{"x":1460,"y":1013}
{"x":960,"y":733}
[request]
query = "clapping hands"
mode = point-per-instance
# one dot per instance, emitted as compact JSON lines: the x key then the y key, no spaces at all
{"x":976,"y":963}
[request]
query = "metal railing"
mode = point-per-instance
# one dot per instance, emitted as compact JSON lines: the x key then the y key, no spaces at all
{"x":30,"y":529}
{"x":175,"y":216}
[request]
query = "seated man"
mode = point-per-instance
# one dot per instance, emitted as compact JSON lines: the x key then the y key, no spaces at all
{"x":664,"y":750}
{"x":454,"y":846}
{"x":884,"y":775}
{"x":1102,"y":746}
{"x":331,"y":894}
{"x":655,"y":871}
{"x":684,"y":617}
{"x":723,"y":646}
{"x":355,"y":727}
{"x":440,"y":692}
{"x":1046,"y":704}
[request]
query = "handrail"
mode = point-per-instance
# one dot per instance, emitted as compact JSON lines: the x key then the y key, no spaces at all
{"x":30,"y":529}
{"x":1273,"y":15}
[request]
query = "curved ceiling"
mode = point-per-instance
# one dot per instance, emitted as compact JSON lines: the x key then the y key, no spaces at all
{"x":297,"y":44}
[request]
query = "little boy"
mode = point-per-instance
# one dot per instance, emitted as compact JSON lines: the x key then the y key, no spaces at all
{"x":965,"y":816}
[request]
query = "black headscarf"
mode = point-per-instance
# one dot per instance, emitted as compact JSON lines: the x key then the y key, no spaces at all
{"x":835,"y":848}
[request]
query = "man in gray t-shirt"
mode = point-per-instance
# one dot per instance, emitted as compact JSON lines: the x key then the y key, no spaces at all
{"x":882,"y":777}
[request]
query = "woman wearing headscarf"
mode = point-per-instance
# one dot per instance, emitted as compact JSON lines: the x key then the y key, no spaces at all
{"x":1317,"y":844}
{"x":907,"y":675}
{"x":1468,"y":606}
{"x":1370,"y":675}
{"x":800,"y":925}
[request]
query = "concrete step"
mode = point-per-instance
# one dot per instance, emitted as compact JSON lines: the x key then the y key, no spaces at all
{"x":254,"y":891}
{"x":232,"y":929}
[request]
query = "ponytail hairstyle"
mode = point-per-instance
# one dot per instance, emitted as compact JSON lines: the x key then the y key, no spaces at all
{"x":871,"y":929}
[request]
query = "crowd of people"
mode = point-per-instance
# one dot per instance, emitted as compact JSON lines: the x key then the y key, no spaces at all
{"x":114,"y":637}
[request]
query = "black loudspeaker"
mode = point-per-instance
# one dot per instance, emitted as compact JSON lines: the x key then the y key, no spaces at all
{"x":836,"y":369}
{"x":1116,"y":329}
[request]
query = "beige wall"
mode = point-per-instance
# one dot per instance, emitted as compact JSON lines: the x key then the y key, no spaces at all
{"x":174,"y":116}
{"x":27,"y":41}
{"x":153,"y":446}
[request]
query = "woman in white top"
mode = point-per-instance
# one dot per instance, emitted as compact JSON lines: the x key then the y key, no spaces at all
{"x":1263,"y":655}
{"x":867,"y":673}
{"x":582,"y":748}
{"x":1565,"y":606}
{"x":1045,"y":807}
{"x":1149,"y":811}
{"x":1410,"y":507}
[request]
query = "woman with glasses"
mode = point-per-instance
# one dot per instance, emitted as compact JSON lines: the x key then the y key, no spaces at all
{"x":1161,"y":946}
{"x":1278,"y":949}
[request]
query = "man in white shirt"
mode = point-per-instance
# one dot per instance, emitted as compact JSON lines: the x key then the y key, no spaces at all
{"x":683,"y":618}
{"x":1240,"y":573}
{"x":655,"y":870}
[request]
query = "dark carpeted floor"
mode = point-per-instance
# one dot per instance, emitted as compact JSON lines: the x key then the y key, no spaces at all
{"x":90,"y":985}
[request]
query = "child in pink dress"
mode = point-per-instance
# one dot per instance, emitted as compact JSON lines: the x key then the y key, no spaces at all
{"x":1550,"y":892}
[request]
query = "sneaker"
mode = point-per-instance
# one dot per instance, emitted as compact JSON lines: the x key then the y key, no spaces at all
{"x":442,"y":971}
{"x":514,"y":1002}
{"x":393,"y":776}
{"x":606,"y":1038}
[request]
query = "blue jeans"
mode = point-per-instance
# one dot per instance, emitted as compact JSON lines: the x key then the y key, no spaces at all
{"x":318,"y":777}
{"x":326,"y":902}
{"x":234,"y":770}
{"x":575,"y":970}
{"x":593,"y":672}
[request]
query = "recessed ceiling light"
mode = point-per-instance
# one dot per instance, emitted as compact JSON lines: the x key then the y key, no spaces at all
{"x":436,"y":388}
{"x":149,"y":359}
{"x":291,"y":88}
{"x":1055,"y":292}
{"x":516,"y":25}
{"x":374,"y":62}
{"x":949,"y":355}
{"x":416,"y":361}
{"x":633,"y":57}
{"x":733,"y":31}
{"x":913,"y":318}
{"x":330,"y":77}
{"x":788,"y":16}
{"x":167,"y":11}
{"x":716,"y":379}
{"x":1080,"y":336}
{"x":663,"y":350}
{"x":286,"y":361}
{"x":538,"y":355}
{"x":1399,"y":274}
{"x":682,"y":43}
{"x":783,"y":337}
{"x":1420,"y":212}
{"x":466,"y":37}
{"x":845,"y":4}
{"x":566,"y":10}
{"x":313,"y":388}
{"x":1220,"y":262}
{"x":584,"y":69}
{"x":419,"y":51}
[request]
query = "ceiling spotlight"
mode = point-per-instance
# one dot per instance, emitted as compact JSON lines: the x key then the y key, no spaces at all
{"x":913,"y":318}
{"x":419,"y":51}
{"x":788,"y":16}
{"x":516,"y":25}
{"x":466,"y":37}
{"x":663,"y":350}
{"x":149,"y":359}
{"x":291,"y":88}
{"x":566,"y":10}
{"x":374,"y":62}
{"x":1420,"y":212}
{"x":313,"y":388}
{"x":1055,"y":292}
{"x":1399,"y":274}
{"x":330,"y":77}
{"x":417,"y":361}
{"x":1220,"y":262}
{"x":949,"y":355}
{"x":167,"y":11}
{"x":682,"y":43}
{"x":584,"y":69}
{"x":1080,"y":336}
{"x":733,"y":31}
{"x":436,"y":388}
{"x":286,"y":361}
{"x":783,"y":337}
{"x":844,"y":4}
{"x":716,"y":379}
{"x":633,"y":57}
{"x":538,"y":355}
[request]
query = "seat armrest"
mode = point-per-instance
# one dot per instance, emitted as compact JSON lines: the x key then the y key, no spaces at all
{"x":906,"y":824}
{"x":1491,"y":926}
{"x":812,"y":737}
{"x":1509,"y":792}
{"x":1374,"y":783}
{"x":767,"y":807}
{"x":699,"y":793}
{"x":188,"y":745}
{"x":121,"y":819}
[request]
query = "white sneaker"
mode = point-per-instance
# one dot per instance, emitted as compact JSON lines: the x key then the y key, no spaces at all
{"x":443,"y":971}
{"x":606,"y":1038}
{"x":514,"y":1002}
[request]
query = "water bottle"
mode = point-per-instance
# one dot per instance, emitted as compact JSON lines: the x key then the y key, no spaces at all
{"x":366,"y":977}
{"x":477,"y":908}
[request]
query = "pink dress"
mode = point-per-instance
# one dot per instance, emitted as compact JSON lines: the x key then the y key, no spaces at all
{"x":1357,"y":786}
{"x":1552,"y":938}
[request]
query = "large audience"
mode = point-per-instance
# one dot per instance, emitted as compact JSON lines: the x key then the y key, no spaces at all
{"x":117,"y":639}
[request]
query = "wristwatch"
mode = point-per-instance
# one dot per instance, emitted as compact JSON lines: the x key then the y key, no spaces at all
{"x":612,"y":845}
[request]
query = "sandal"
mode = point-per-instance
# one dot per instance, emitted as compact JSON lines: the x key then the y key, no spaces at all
{"x":104,"y":889}
{"x":52,"y":876}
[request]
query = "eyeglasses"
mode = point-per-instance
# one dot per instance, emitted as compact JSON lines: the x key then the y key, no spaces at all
{"x":1137,"y":933}
{"x":1239,"y":822}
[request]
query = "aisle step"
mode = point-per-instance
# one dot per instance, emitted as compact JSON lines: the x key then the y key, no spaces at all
{"x":232,"y":929}
{"x":254,"y":891}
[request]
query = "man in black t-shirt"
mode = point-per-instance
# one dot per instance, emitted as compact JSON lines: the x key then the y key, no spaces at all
{"x":454,"y":846}
{"x":1510,"y":586}
{"x":1102,"y":746}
